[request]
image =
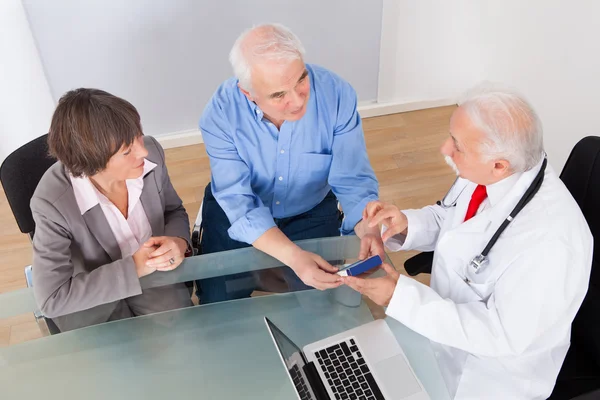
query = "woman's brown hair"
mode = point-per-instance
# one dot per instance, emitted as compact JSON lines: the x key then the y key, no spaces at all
{"x":88,"y":127}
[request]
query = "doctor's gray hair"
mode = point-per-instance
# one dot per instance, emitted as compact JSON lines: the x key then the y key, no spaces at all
{"x":512,"y":128}
{"x":268,"y":42}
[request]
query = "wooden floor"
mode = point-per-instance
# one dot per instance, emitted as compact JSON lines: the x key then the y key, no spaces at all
{"x":403,"y":149}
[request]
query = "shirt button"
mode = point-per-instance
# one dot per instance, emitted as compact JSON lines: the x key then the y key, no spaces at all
{"x":282,"y":151}
{"x":277,"y":202}
{"x":281,"y":178}
{"x":257,"y":111}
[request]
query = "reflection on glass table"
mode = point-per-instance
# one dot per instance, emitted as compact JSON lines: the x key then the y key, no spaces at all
{"x":216,"y":351}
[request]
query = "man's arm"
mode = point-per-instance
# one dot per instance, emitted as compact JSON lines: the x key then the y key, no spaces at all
{"x":538,"y":291}
{"x":425,"y":227}
{"x":230,"y":180}
{"x":312,"y":269}
{"x":251,"y":221}
{"x":534,"y":294}
{"x":351,"y":176}
{"x":422,"y":229}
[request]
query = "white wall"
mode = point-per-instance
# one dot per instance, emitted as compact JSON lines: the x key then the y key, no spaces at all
{"x":165,"y":58}
{"x":168,"y":56}
{"x":430,"y":49}
{"x":26,"y":105}
{"x":550,"y":51}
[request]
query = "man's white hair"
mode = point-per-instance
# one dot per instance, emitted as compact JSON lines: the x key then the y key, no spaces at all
{"x":512,"y":128}
{"x":262,"y":43}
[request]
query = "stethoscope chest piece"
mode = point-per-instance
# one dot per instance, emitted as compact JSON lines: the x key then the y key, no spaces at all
{"x":478,"y":262}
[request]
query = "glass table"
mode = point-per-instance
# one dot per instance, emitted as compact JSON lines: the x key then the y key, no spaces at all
{"x":215,"y":351}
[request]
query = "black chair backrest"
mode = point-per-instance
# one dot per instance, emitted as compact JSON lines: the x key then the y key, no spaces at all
{"x":20,"y":174}
{"x":581,"y":175}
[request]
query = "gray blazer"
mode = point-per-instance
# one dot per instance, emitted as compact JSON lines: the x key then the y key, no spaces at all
{"x":77,"y":263}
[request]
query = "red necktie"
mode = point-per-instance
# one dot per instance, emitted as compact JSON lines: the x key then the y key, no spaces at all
{"x":477,"y":198}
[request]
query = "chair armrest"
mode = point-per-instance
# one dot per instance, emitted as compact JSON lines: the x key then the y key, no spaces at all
{"x":593,"y":395}
{"x":421,"y":263}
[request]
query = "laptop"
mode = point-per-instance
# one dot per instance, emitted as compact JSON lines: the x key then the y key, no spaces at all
{"x":364,"y":363}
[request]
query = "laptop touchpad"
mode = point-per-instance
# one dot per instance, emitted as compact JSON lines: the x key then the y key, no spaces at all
{"x":396,"y":377}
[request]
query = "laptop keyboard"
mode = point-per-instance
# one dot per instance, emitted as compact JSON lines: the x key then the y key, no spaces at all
{"x":347,"y":372}
{"x":300,"y":383}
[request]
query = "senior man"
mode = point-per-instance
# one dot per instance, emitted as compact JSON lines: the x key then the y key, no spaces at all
{"x":512,"y":256}
{"x":285,"y":143}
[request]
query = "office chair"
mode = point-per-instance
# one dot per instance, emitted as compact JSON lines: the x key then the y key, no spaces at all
{"x":197,"y":232}
{"x":20,"y":174}
{"x":420,"y":263}
{"x":580,"y":373}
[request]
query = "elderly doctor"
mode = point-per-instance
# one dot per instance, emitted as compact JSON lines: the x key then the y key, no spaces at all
{"x":499,"y":318}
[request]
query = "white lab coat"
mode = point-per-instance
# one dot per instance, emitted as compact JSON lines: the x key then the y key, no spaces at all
{"x":505,"y":334}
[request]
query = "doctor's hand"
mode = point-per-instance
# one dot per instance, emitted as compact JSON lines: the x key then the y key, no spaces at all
{"x":380,"y":290}
{"x":378,"y":212}
{"x":314,"y":271}
{"x":371,"y":245}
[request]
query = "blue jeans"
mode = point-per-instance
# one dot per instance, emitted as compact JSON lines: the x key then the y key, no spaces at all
{"x":324,"y":220}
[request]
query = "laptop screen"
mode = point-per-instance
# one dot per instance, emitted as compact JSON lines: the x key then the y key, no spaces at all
{"x":294,"y":361}
{"x":286,"y":347}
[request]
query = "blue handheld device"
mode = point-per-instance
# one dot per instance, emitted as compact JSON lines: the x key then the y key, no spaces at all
{"x":361,"y":266}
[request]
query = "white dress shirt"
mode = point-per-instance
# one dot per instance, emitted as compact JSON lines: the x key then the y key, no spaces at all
{"x":504,"y":332}
{"x":130,"y":233}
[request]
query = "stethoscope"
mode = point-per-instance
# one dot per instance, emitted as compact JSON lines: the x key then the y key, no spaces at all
{"x":480,"y":261}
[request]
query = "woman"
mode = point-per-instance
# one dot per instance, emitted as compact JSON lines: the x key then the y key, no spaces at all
{"x":106,"y":214}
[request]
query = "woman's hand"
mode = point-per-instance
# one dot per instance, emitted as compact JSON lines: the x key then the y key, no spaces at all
{"x":169,"y":253}
{"x":140,"y":259}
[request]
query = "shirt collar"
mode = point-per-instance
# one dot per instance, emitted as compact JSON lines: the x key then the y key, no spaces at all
{"x":256,"y":111}
{"x":499,"y":189}
{"x":87,"y":196}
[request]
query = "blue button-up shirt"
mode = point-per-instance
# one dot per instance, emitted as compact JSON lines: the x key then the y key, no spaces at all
{"x":260,"y":173}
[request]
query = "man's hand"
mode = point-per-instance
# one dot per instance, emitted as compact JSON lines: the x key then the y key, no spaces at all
{"x":314,"y":271}
{"x":378,"y":212}
{"x":169,"y":253}
{"x":310,"y":268}
{"x":380,"y":290}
